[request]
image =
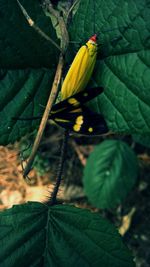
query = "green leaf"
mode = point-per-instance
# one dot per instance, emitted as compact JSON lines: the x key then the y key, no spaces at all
{"x":36,"y":235}
{"x":123,"y":67}
{"x":143,"y":140}
{"x":20,"y":45}
{"x":25,"y":83}
{"x":110,"y":173}
{"x":23,"y":93}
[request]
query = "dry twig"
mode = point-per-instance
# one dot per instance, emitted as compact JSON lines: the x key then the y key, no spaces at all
{"x":54,"y":90}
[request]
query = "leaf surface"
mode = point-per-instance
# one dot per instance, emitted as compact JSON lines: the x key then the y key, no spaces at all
{"x":123,"y":67}
{"x":26,"y":92}
{"x":35,"y":235}
{"x":25,"y":80}
{"x":112,"y":175}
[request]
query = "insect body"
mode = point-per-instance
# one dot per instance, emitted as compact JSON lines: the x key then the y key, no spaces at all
{"x":81,"y":69}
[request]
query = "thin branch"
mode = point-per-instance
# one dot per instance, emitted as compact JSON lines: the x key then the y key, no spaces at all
{"x":36,"y":28}
{"x":71,"y":9}
{"x":81,"y":156}
{"x":50,"y":102}
{"x":54,"y":90}
{"x":62,"y":25}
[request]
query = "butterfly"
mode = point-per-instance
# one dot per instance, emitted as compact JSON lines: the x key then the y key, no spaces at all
{"x":74,"y":116}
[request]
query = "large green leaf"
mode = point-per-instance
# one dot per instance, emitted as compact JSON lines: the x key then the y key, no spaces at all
{"x":123,"y":67}
{"x":22,"y":93}
{"x":112,"y":175}
{"x":36,"y":235}
{"x":24,"y":82}
{"x":20,"y":45}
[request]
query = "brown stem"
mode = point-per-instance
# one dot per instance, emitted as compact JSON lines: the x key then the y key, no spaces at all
{"x":36,"y":28}
{"x":62,"y":25}
{"x":50,"y":102}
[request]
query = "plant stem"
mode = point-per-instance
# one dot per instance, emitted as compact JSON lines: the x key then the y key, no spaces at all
{"x":50,"y":102}
{"x":36,"y":28}
{"x":64,"y":39}
{"x":53,"y":197}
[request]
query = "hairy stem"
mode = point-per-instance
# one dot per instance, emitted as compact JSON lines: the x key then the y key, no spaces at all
{"x":53,"y":197}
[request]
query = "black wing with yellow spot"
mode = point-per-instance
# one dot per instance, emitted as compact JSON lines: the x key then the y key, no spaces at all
{"x":82,"y":121}
{"x":76,"y":100}
{"x":71,"y":114}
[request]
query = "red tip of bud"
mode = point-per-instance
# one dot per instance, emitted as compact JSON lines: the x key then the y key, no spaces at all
{"x":94,"y":38}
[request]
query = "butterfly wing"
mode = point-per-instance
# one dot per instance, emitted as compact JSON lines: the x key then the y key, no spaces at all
{"x":92,"y":124}
{"x":71,"y":114}
{"x":75,"y":101}
{"x":82,"y":121}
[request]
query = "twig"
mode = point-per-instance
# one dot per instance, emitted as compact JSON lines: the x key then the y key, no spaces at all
{"x":62,"y":25}
{"x":53,"y":197}
{"x":36,"y":28}
{"x":73,"y":4}
{"x":79,"y":153}
{"x":50,"y":102}
{"x":53,"y":94}
{"x":55,"y":85}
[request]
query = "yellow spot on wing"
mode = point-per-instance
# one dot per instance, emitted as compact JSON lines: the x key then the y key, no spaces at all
{"x":78,"y":123}
{"x":58,"y":110}
{"x":90,"y":129}
{"x":85,"y":94}
{"x":79,"y":120}
{"x":61,"y":120}
{"x":76,"y":127}
{"x":76,"y":110}
{"x":73,"y":101}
